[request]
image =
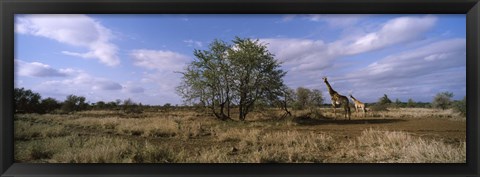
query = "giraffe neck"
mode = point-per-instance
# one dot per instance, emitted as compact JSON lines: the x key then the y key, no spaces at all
{"x":353,"y":98}
{"x":330,"y":89}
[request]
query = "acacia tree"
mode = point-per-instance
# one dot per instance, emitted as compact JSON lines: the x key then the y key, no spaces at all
{"x":303,"y":97}
{"x":288,"y":97}
{"x":461,"y":106}
{"x":129,"y":107}
{"x":48,"y":105}
{"x":26,"y":101}
{"x":384,"y":100}
{"x":316,"y":98}
{"x":257,"y":73}
{"x":442,"y":100}
{"x":241,"y":73}
{"x":208,"y":80}
{"x":74,"y":103}
{"x":410,"y":103}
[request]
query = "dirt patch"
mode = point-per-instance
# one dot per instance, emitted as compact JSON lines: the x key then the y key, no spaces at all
{"x":440,"y":129}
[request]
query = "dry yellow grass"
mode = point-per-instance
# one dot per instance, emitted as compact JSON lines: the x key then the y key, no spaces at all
{"x":399,"y":113}
{"x":374,"y":146}
{"x":189,"y":136}
{"x":25,"y":130}
{"x":292,"y":146}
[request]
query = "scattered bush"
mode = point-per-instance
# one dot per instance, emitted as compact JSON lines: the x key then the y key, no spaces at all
{"x":26,"y":101}
{"x":384,"y":100}
{"x":442,"y":100}
{"x":49,"y":105}
{"x":40,"y":151}
{"x":379,"y":107}
{"x":411,"y":103}
{"x":131,"y":107}
{"x":74,"y":103}
{"x":461,"y":106}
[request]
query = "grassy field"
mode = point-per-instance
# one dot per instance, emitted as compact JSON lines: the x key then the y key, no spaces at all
{"x":402,"y":135}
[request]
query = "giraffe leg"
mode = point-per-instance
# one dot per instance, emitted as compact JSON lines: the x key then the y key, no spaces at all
{"x":345,"y":109}
{"x":334,"y":112}
{"x":348,"y":111}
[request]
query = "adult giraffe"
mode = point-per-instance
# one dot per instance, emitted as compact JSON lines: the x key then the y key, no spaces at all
{"x":338,"y":100}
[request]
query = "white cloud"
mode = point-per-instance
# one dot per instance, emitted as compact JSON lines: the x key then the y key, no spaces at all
{"x":163,"y":60}
{"x":439,"y":66}
{"x":164,"y":65}
{"x":332,"y":20}
{"x":337,"y":20}
{"x":308,"y":54}
{"x":395,"y":31}
{"x":37,"y":69}
{"x":82,"y":82}
{"x":93,"y":83}
{"x":106,"y":85}
{"x":134,"y":88}
{"x":193,"y":43}
{"x":436,"y":66}
{"x":300,"y":54}
{"x":289,"y":17}
{"x":75,"y":30}
{"x":425,"y":60}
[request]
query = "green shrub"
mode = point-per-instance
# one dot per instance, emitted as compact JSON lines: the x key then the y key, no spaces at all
{"x":131,"y":107}
{"x":379,"y":107}
{"x":461,"y":106}
{"x":442,"y":100}
{"x":74,"y":103}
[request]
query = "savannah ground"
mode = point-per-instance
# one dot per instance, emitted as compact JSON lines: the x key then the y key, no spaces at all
{"x":417,"y":135}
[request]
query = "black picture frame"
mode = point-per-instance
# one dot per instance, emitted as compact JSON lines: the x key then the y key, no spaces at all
{"x":8,"y":8}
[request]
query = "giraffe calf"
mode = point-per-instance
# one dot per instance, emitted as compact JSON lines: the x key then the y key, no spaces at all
{"x":359,"y":105}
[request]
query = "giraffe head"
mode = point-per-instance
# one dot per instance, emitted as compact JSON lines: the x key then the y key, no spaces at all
{"x":324,"y":79}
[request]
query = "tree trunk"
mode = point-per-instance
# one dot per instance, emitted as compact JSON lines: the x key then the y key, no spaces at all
{"x":240,"y":110}
{"x":228,"y":104}
{"x":287,"y":112}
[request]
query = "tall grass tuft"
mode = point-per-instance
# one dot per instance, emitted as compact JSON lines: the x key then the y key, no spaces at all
{"x":399,"y":147}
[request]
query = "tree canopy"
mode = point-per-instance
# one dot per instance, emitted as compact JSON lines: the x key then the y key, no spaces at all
{"x":443,"y":100}
{"x":239,"y":73}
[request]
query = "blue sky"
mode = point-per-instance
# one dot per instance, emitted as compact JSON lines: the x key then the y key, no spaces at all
{"x":108,"y":57}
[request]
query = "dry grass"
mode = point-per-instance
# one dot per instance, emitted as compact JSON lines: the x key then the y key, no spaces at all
{"x":25,"y":130}
{"x":236,"y":134}
{"x":91,"y":149}
{"x":292,"y":146}
{"x":148,"y":127}
{"x":374,"y":146}
{"x":396,"y":113}
{"x":420,"y":113}
{"x":189,"y":136}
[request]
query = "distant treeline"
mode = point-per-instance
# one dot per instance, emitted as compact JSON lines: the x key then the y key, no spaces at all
{"x":442,"y":101}
{"x":27,"y":101}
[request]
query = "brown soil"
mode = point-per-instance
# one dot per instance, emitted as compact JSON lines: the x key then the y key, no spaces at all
{"x":449,"y":131}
